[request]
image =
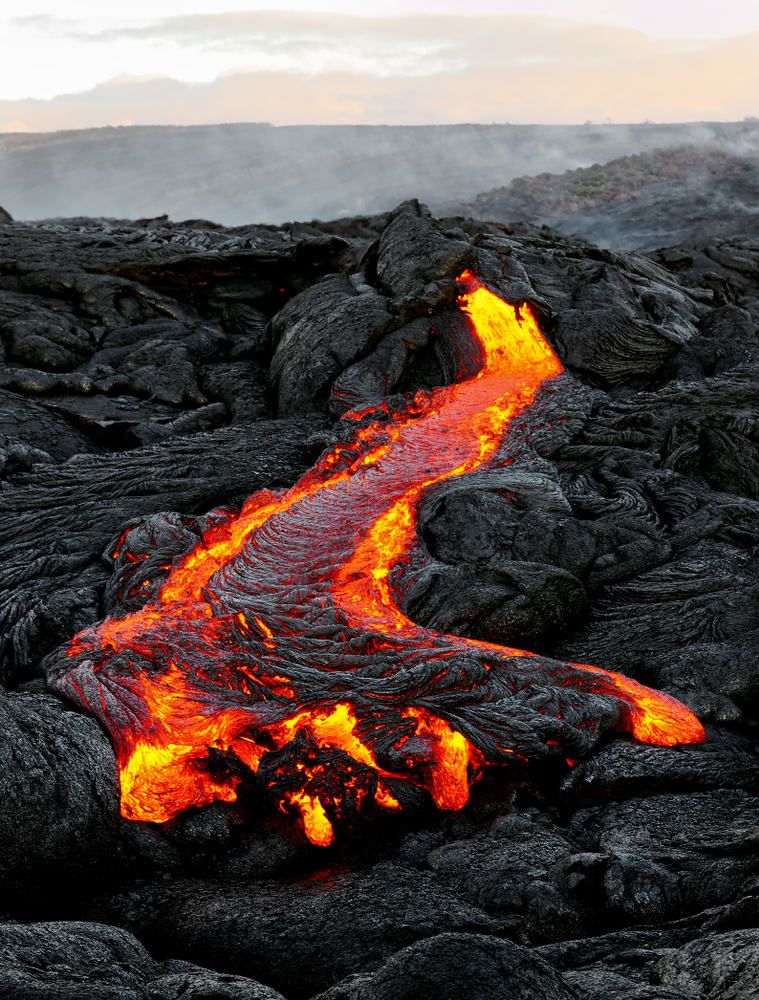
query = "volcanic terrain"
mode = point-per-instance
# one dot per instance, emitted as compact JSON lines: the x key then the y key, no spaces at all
{"x":378,"y":613}
{"x":638,"y":202}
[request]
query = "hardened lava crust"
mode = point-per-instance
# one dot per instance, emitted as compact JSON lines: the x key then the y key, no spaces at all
{"x":378,"y":612}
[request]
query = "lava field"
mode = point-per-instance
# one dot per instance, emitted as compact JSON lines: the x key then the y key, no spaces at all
{"x":379,"y":604}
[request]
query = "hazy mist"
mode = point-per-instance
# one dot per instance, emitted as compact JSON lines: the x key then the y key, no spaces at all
{"x":235,"y":174}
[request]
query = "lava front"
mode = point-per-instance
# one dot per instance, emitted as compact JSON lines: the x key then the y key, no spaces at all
{"x":278,"y":646}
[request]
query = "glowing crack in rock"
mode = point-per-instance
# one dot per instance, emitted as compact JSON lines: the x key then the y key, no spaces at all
{"x":278,"y":644}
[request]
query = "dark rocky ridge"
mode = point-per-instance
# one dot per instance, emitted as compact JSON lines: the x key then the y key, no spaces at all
{"x":153,"y":367}
{"x":638,"y":202}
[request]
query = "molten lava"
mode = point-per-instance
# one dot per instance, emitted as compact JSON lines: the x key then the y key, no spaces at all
{"x":278,"y":643}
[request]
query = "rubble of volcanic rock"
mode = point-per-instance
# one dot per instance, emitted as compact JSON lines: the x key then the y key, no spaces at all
{"x":154,"y":376}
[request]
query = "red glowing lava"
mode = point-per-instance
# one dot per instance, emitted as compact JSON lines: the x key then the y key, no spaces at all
{"x":280,"y":642}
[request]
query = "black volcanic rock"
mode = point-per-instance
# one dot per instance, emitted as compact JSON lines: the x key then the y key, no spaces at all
{"x":67,"y":960}
{"x":661,"y":965}
{"x":40,"y":607}
{"x":39,"y":428}
{"x":665,"y":855}
{"x":521,"y":867}
{"x":300,"y":937}
{"x":59,"y":816}
{"x":451,"y":966}
{"x":319,"y":333}
{"x":153,"y":373}
{"x":721,"y":966}
{"x":725,"y":760}
{"x":412,"y":254}
{"x":87,"y":961}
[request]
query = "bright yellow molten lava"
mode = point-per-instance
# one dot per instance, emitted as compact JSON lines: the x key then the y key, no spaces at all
{"x":350,"y":522}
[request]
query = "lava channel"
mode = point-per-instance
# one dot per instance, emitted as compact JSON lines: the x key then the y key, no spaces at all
{"x":278,"y":643}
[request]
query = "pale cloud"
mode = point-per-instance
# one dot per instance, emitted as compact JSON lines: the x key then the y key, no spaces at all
{"x":45,"y":22}
{"x":304,"y":43}
{"x":657,"y":18}
{"x":309,"y":68}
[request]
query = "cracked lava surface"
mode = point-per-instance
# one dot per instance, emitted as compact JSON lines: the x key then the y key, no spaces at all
{"x":278,"y":644}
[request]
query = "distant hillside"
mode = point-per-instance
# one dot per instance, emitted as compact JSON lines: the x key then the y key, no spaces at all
{"x":642,"y":201}
{"x":242,"y":173}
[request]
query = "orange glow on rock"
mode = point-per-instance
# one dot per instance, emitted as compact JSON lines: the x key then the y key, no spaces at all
{"x":280,"y":639}
{"x":452,"y":757}
{"x":316,"y":824}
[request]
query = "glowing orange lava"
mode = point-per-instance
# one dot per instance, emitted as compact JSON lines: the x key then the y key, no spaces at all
{"x":280,"y":640}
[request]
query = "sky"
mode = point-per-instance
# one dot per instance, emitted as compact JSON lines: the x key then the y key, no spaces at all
{"x":79,"y":63}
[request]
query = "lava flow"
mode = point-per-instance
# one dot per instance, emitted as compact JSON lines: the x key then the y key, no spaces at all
{"x":278,"y":644}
